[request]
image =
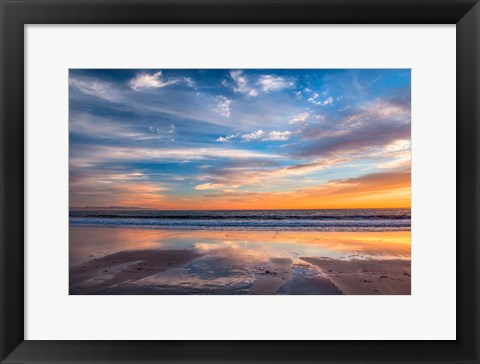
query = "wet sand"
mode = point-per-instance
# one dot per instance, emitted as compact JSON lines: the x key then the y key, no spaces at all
{"x":124,"y":267}
{"x":138,"y":261}
{"x":367,"y":276}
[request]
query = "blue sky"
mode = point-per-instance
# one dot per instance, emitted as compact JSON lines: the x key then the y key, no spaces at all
{"x":272,"y":138}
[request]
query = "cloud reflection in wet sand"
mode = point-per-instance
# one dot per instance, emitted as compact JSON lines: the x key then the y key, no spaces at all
{"x":139,"y":261}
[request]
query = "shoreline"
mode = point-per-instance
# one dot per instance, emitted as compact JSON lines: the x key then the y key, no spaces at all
{"x":237,"y":228}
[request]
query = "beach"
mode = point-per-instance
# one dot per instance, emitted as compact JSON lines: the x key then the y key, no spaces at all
{"x":143,"y":261}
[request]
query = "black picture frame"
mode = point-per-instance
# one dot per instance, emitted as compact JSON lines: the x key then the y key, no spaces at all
{"x":15,"y":14}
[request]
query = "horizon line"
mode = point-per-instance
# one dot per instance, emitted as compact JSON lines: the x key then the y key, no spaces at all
{"x":120,"y":208}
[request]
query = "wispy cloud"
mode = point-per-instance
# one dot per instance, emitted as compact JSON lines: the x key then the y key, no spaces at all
{"x":278,"y":136}
{"x":226,"y":138}
{"x":261,"y":83}
{"x":163,"y":133}
{"x":96,"y":88}
{"x":241,"y":83}
{"x":208,"y":186}
{"x":270,"y":83}
{"x":375,"y":124}
{"x":89,"y":157}
{"x":264,"y":174}
{"x":144,"y":80}
{"x":316,"y":101}
{"x":109,"y":128}
{"x":223,"y":106}
{"x":259,"y":135}
{"x":111,"y":188}
{"x":299,"y":117}
{"x":153,"y":80}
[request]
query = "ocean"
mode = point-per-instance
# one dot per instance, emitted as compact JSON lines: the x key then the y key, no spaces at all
{"x":276,"y":220}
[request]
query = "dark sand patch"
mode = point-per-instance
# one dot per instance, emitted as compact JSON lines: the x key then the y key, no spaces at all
{"x":123,"y":267}
{"x":309,"y":286}
{"x":270,"y":278}
{"x":367,"y":276}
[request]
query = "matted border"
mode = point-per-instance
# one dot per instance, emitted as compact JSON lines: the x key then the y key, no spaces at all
{"x":15,"y":14}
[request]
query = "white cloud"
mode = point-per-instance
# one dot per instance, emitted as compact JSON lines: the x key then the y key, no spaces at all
{"x":100,"y":127}
{"x":163,"y":133}
{"x":277,"y":135}
{"x":241,"y":83}
{"x":208,"y":186}
{"x":154,"y":80}
{"x":328,"y":101}
{"x":157,"y":80}
{"x":253,"y":135}
{"x":251,"y":175}
{"x":91,"y":157}
{"x":300,"y":117}
{"x":226,"y":138}
{"x":98,"y":89}
{"x":223,"y":106}
{"x":265,"y":83}
{"x":273,"y":83}
{"x":314,"y":100}
{"x":189,"y":82}
{"x":87,"y":124}
{"x":261,"y":135}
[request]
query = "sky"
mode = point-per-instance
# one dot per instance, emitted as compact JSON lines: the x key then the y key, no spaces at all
{"x":180,"y":139}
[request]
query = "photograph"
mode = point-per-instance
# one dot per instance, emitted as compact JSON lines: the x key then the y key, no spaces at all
{"x":239,"y":181}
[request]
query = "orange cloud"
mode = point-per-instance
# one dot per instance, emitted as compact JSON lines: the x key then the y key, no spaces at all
{"x":378,"y":190}
{"x":112,"y":189}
